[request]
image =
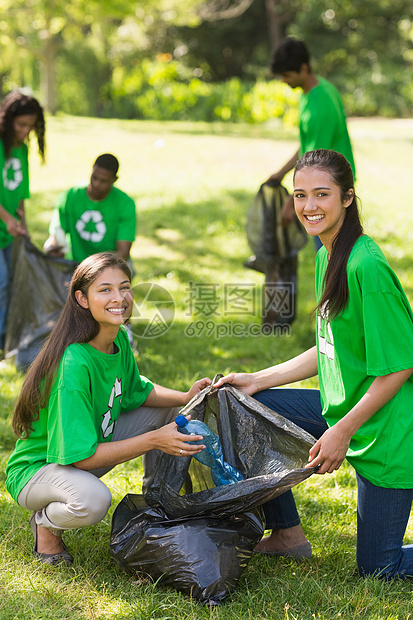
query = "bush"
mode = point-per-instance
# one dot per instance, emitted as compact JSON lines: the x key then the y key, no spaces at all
{"x":267,"y":100}
{"x":377,"y":93}
{"x":166,"y":90}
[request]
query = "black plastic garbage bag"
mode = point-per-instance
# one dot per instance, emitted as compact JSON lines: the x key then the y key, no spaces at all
{"x":198,"y":536}
{"x":275,"y":250}
{"x":200,"y":556}
{"x":268,"y":240}
{"x":39,"y":291}
{"x":270,"y":452}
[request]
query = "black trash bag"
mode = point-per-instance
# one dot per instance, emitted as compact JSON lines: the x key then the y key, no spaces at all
{"x":198,"y":536}
{"x":200,"y":556}
{"x":275,"y":252}
{"x":270,"y":452}
{"x":268,"y":240}
{"x":39,"y":291}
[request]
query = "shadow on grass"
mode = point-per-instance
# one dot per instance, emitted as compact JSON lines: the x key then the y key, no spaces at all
{"x":180,"y":358}
{"x":210,"y":233}
{"x":204,"y":239}
{"x":202,"y":230}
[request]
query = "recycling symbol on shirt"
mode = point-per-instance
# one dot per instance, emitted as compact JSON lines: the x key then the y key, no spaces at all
{"x":108,"y":424}
{"x":14,"y":165}
{"x":325,"y":336}
{"x":91,"y":226}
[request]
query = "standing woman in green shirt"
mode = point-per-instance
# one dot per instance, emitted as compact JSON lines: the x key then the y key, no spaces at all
{"x":363,"y":357}
{"x":20,"y":114}
{"x":84,"y":408}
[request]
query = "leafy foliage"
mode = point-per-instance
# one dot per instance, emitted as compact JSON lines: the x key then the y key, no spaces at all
{"x":93,"y":57}
{"x":167,"y":91}
{"x":365,"y":48}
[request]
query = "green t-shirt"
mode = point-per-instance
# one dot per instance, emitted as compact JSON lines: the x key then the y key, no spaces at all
{"x":14,"y":185}
{"x":323,"y":122}
{"x":92,"y":226}
{"x":89,"y":393}
{"x":372,"y":337}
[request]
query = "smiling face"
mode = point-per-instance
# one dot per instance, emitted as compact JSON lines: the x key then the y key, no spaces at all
{"x":319,"y":204}
{"x":109,"y":298}
{"x":22,"y":126}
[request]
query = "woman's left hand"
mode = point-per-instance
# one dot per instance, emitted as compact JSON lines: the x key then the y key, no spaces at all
{"x":329,"y":451}
{"x":197,"y":387}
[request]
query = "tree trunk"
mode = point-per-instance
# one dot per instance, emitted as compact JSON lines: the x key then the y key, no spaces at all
{"x":274,"y":24}
{"x":48,"y":73}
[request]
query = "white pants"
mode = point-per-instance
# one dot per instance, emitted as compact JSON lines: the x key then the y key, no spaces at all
{"x":65,"y":498}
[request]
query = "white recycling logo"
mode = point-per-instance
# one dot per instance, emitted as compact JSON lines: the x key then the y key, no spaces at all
{"x":108,"y":424}
{"x":100,"y":227}
{"x":15,"y":166}
{"x":325,"y":340}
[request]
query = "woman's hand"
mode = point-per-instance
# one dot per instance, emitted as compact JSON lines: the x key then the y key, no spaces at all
{"x":197,"y":387}
{"x":329,"y":451}
{"x":244,"y":381}
{"x":166,"y":438}
{"x":15,"y":228}
{"x":170,"y":440}
{"x":297,"y":368}
{"x":161,"y":396}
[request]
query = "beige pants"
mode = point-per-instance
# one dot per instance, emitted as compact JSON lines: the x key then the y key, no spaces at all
{"x":66,"y":498}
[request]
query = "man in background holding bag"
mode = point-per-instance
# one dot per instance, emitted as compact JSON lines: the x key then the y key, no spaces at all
{"x":322,"y":120}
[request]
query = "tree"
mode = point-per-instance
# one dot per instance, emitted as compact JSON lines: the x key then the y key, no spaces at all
{"x":73,"y":52}
{"x":42,"y":28}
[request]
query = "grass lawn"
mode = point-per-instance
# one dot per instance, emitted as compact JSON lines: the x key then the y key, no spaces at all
{"x":193,"y":184}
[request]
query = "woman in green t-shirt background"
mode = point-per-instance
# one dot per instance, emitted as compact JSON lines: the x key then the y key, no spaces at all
{"x":20,"y":114}
{"x":84,"y":408}
{"x":364,"y":361}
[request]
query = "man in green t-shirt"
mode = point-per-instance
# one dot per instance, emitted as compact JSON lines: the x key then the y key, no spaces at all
{"x":94,"y":218}
{"x":322,"y":119}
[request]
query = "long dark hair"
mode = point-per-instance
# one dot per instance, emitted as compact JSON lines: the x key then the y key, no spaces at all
{"x":75,"y":324}
{"x":335,"y":286}
{"x":15,"y":104}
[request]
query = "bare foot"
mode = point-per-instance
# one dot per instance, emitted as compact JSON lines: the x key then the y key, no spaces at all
{"x":282,"y":540}
{"x":47,"y":542}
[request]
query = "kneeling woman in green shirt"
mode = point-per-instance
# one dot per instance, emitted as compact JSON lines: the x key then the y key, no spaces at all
{"x":364,"y":361}
{"x":84,"y":408}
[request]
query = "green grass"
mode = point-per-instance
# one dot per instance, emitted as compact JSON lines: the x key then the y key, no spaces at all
{"x":193,"y":184}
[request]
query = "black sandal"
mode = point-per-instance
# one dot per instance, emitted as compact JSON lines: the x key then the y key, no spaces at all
{"x":49,"y":558}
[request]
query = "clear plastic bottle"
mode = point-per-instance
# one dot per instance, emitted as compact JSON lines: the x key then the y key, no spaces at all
{"x":222,"y":472}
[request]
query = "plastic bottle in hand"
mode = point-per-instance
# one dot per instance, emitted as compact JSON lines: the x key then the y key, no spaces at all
{"x":222,"y":472}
